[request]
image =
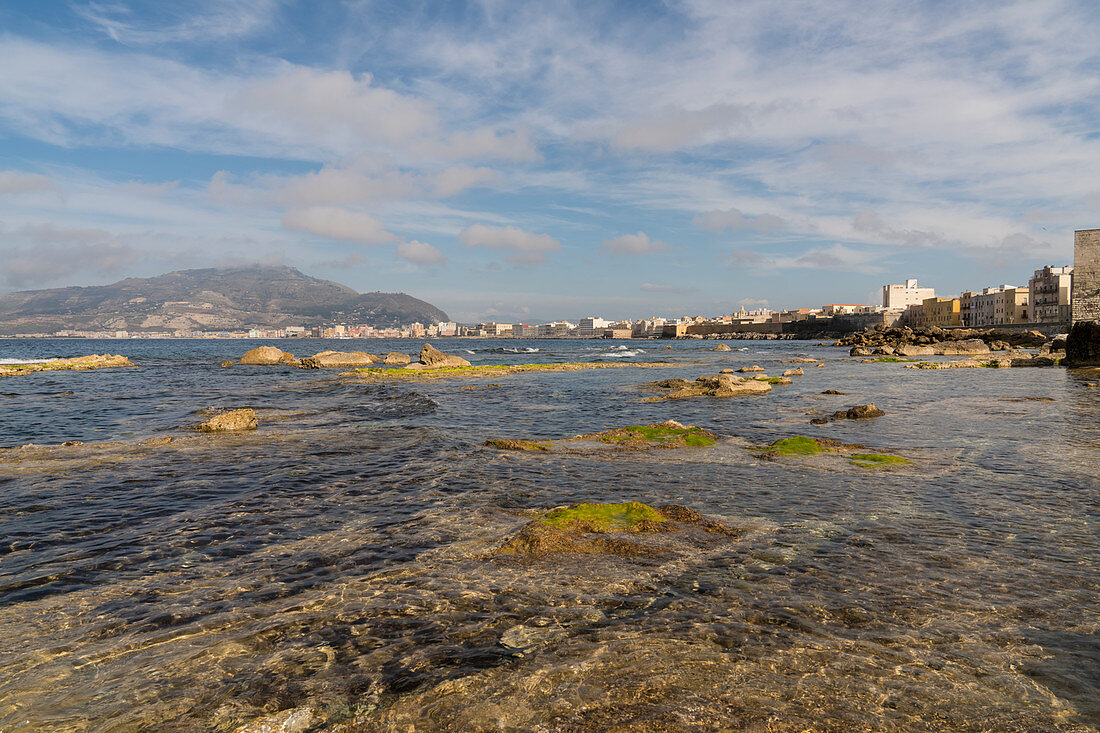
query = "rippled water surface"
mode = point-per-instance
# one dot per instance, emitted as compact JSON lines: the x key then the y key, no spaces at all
{"x":340,"y":557}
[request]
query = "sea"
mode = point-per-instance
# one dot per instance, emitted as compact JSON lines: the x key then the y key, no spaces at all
{"x":341,"y":557}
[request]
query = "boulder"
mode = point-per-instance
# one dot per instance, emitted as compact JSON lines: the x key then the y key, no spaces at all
{"x":859,"y":412}
{"x":266,"y":355}
{"x":338,"y":359}
{"x":1083,"y":344}
{"x":227,"y":363}
{"x":726,"y":371}
{"x":914,"y":350}
{"x":794,"y":372}
{"x":244,"y":419}
{"x":885,"y":350}
{"x":965,"y":347}
{"x":860,"y":351}
{"x":721,"y":347}
{"x":753,"y":368}
{"x":433,"y":357}
{"x":396,"y":359}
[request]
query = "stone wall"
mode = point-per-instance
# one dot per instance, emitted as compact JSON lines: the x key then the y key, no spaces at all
{"x":1086,"y":275}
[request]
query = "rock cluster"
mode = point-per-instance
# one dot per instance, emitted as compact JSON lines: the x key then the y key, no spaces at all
{"x":948,"y":342}
{"x":720,"y":385}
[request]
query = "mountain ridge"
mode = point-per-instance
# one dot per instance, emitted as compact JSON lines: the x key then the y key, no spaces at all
{"x":208,"y":299}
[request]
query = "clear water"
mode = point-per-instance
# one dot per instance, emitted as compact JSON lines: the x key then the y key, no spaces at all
{"x":340,"y":556}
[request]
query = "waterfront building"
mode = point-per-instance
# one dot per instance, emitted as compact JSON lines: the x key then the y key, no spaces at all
{"x":1049,"y":294}
{"x":592,"y":326}
{"x":966,"y":306}
{"x":843,"y":309}
{"x":941,"y":312}
{"x":897,"y":297}
{"x":914,"y":315}
{"x":1010,"y":306}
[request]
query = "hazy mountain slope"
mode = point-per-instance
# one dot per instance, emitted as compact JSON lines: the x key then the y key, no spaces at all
{"x":228,"y":298}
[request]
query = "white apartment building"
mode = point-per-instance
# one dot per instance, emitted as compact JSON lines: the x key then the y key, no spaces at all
{"x":900,"y":297}
{"x":593,"y":326}
{"x":1050,"y":293}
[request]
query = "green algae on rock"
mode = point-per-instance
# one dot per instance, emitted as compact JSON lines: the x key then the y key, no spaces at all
{"x":517,"y":444}
{"x":874,"y":460}
{"x":615,"y":529}
{"x":75,"y":364}
{"x":489,"y":370}
{"x":666,"y":435}
{"x":799,"y":445}
{"x":631,"y":516}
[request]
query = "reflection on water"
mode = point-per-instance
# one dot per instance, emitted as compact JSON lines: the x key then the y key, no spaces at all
{"x":340,"y":556}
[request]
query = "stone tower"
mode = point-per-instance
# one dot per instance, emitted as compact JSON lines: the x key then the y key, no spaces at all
{"x":1086,"y":275}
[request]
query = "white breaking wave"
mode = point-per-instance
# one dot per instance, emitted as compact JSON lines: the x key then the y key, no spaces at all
{"x":620,"y":354}
{"x":27,"y":361}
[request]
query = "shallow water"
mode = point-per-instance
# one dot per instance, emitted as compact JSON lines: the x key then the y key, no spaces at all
{"x":340,"y":556}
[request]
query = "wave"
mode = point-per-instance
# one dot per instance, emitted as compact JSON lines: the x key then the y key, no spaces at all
{"x":514,"y":350}
{"x":620,"y":354}
{"x":27,"y":361}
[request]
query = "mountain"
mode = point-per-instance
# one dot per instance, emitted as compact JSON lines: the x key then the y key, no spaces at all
{"x":208,"y":300}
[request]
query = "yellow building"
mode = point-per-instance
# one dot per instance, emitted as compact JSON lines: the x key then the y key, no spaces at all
{"x":942,"y":312}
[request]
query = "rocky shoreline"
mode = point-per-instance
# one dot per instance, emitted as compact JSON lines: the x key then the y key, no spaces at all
{"x":75,"y":364}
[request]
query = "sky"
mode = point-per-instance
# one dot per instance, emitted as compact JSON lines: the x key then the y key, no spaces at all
{"x":522,"y":161}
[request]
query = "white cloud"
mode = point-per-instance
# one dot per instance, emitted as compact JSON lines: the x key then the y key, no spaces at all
{"x":654,"y":288}
{"x":633,"y":244}
{"x":674,"y":128}
{"x":48,"y":253}
{"x":456,"y":179}
{"x":528,"y":248}
{"x":335,"y":105}
{"x":736,"y":221}
{"x":16,"y":182}
{"x":421,"y":253}
{"x":336,"y":223}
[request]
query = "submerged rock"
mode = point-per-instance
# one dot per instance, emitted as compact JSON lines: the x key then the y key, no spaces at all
{"x":296,"y":720}
{"x":338,"y":359}
{"x":227,"y":364}
{"x":612,"y":529}
{"x":666,"y":435}
{"x":433,"y":357}
{"x":266,"y":356}
{"x":395,"y":358}
{"x":243,"y":419}
{"x":859,"y":412}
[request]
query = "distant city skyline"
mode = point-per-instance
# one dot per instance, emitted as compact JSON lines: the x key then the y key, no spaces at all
{"x":525,"y":162}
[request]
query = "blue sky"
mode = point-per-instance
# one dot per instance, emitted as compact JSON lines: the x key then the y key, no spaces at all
{"x":529,"y":161}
